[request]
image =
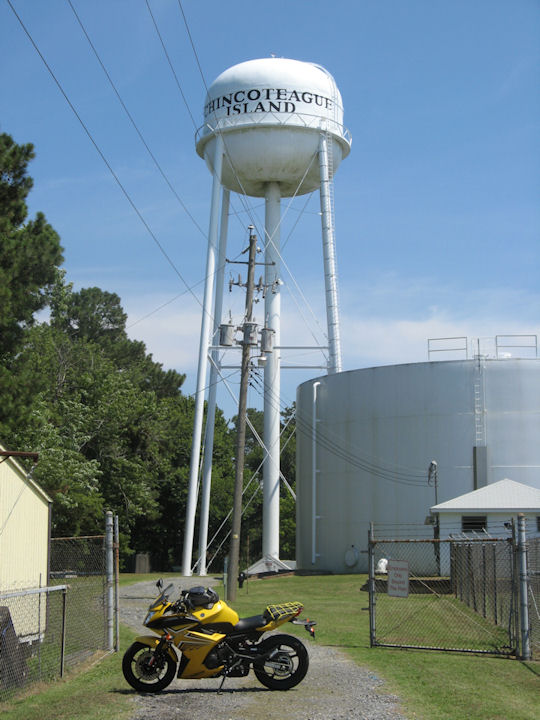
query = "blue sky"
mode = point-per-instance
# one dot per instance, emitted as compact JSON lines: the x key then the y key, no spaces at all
{"x":437,"y":205}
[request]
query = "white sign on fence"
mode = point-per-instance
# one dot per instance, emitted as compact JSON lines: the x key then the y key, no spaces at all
{"x":398,"y":578}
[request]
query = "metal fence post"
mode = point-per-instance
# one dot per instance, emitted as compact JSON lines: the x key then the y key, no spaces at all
{"x":523,"y":589}
{"x":513,"y":623}
{"x":109,"y":565}
{"x":63,"y":645}
{"x":371,"y":585}
{"x":117,"y":583}
{"x":484,"y":581}
{"x":495,"y":616}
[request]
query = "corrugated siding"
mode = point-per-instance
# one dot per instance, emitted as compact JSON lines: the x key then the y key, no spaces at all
{"x":24,"y":531}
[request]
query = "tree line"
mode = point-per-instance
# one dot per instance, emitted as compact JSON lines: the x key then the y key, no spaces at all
{"x":112,"y":427}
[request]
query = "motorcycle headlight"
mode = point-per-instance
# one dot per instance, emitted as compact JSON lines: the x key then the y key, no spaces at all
{"x":148,"y":618}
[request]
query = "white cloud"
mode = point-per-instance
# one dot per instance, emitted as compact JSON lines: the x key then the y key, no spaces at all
{"x":382,"y":327}
{"x":170,"y":330}
{"x":400,"y":334}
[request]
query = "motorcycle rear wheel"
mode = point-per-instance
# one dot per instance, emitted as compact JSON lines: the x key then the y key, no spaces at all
{"x":286,"y":667}
{"x":142,"y":676}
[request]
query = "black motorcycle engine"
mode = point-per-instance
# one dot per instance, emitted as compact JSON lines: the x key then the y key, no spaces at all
{"x":220,"y":655}
{"x":225,"y":655}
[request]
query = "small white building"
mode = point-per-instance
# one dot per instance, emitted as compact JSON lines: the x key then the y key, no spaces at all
{"x":487,"y":509}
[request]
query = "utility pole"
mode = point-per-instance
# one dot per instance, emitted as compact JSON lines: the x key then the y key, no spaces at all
{"x":234,"y":550}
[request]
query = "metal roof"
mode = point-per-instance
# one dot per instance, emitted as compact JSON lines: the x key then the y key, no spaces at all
{"x":502,"y":496}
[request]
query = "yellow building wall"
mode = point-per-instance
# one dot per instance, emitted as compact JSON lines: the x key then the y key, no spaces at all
{"x":24,"y":544}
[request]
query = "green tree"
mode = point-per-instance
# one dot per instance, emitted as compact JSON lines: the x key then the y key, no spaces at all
{"x":117,"y":423}
{"x":112,"y":427}
{"x":30,"y":252}
{"x":97,"y":316}
{"x":63,"y":471}
{"x":251,"y":538}
{"x":287,"y":504}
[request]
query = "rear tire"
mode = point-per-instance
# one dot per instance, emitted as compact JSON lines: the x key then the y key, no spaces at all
{"x":287,"y":664}
{"x":144,"y":677}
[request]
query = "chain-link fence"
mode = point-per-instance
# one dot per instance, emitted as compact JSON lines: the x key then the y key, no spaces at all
{"x":32,"y":632}
{"x":460,"y":593}
{"x":533,"y":562}
{"x":80,"y":564}
{"x":483,"y":577}
{"x":46,"y":630}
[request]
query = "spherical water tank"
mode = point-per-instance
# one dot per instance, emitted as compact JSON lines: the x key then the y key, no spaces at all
{"x":271,"y":113}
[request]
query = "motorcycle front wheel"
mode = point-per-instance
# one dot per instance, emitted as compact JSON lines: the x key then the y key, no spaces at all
{"x":286,"y":665}
{"x":144,"y":671}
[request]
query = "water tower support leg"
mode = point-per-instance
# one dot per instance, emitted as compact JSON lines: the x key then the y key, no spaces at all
{"x":272,"y":389}
{"x":212,"y":391}
{"x":203,"y":360}
{"x":329,"y":257}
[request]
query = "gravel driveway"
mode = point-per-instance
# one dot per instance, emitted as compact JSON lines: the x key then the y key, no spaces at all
{"x":334,"y":688}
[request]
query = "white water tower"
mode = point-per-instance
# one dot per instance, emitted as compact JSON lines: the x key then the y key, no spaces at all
{"x":273,"y":128}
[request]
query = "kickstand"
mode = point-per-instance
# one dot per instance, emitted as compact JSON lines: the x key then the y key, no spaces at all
{"x":221,"y":685}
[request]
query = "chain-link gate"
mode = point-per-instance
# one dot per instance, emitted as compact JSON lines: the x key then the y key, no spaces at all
{"x":450,"y":594}
{"x":533,"y":562}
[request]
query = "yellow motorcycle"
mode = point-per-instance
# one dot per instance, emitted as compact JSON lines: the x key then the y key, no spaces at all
{"x":200,"y":636}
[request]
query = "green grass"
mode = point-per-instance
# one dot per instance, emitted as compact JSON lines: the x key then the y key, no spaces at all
{"x":95,"y":692}
{"x":130,"y":578}
{"x":437,"y":621}
{"x":431,"y":685}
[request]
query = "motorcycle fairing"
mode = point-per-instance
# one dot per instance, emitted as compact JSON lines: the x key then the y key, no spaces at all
{"x":172,"y":621}
{"x":195,"y":647}
{"x":220,"y":612}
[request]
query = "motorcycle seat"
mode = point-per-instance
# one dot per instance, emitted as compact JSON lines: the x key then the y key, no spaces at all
{"x":250,"y":623}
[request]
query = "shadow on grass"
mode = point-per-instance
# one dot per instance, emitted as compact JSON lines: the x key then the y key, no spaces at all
{"x":535,"y":669}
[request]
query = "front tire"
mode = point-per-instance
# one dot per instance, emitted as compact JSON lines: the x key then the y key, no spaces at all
{"x":143,"y":675}
{"x":286,"y":665}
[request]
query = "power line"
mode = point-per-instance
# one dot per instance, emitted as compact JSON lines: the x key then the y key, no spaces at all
{"x":171,"y":66}
{"x":139,"y":133}
{"x":178,"y":85}
{"x":103,"y":157}
{"x":332,"y":443}
{"x":134,"y":124}
{"x":249,"y":209}
{"x":243,"y":195}
{"x":328,"y":443}
{"x":192,"y":44}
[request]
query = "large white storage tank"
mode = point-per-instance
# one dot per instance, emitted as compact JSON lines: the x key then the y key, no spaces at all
{"x":365,"y":440}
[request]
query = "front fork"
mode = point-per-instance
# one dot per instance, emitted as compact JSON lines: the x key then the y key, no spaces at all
{"x":161,"y":650}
